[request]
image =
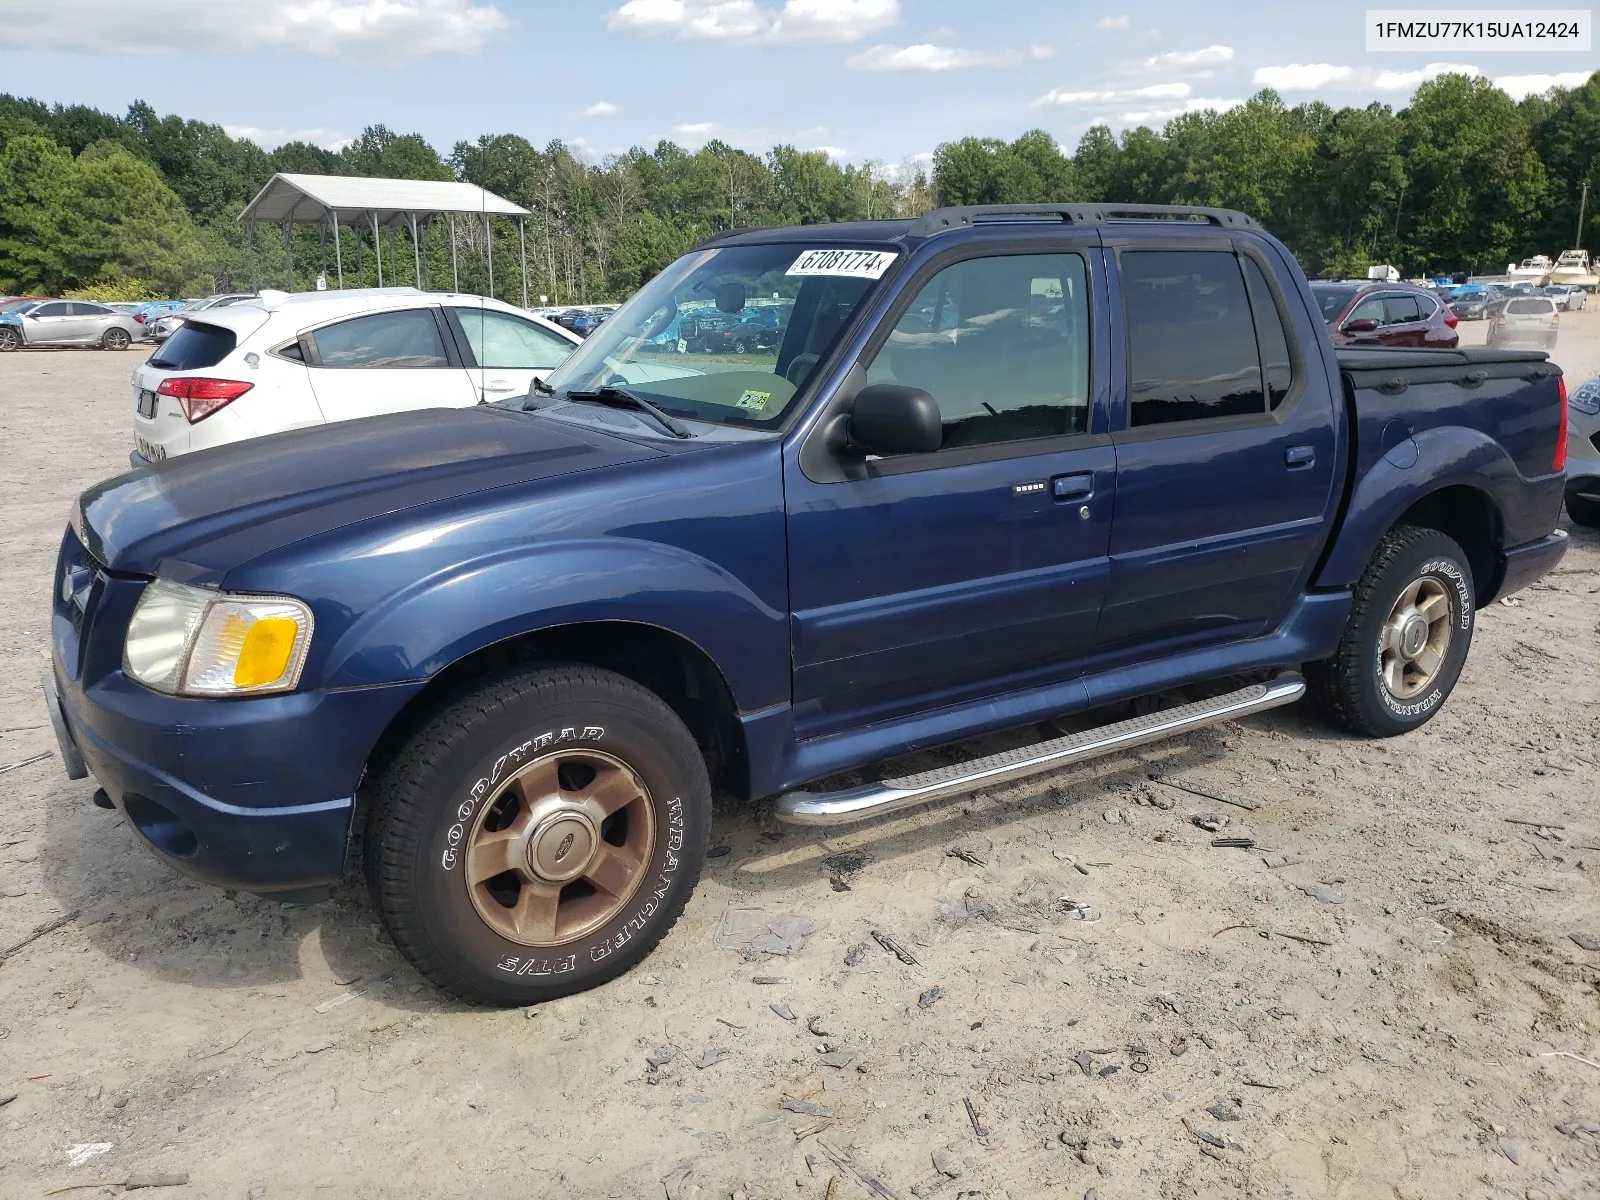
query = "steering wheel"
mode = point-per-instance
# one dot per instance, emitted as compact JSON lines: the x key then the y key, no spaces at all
{"x":799,"y":366}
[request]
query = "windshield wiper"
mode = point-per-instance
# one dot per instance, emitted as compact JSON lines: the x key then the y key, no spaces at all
{"x":616,"y":397}
{"x":540,"y":385}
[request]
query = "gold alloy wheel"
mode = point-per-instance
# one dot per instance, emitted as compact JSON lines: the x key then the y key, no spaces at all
{"x":1415,"y":639}
{"x":560,"y":847}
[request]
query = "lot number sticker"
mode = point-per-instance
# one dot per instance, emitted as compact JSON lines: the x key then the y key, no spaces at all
{"x":857,"y":264}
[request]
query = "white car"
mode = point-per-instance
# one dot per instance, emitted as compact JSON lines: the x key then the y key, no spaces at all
{"x":281,"y":361}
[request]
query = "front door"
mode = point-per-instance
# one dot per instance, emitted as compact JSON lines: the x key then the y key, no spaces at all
{"x":932,"y":579}
{"x":387,"y":362}
{"x":50,"y":324}
{"x":505,"y":353}
{"x":1225,"y":454}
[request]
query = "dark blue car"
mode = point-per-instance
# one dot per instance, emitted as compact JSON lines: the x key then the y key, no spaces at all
{"x":996,"y":465}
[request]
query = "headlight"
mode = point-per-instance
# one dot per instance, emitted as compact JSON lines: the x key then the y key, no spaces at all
{"x":1587,"y":398}
{"x":191,"y":641}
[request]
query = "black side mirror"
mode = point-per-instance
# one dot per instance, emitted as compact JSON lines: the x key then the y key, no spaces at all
{"x":890,"y":418}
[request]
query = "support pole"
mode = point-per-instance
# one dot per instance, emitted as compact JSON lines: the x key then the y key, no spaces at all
{"x":377,"y":245}
{"x":488,"y":240}
{"x":1577,"y":238}
{"x":338,"y":256}
{"x":455,"y":270}
{"x":288,"y":256}
{"x":522,"y":247}
{"x":416,"y":249}
{"x":322,"y":257}
{"x":250,"y":240}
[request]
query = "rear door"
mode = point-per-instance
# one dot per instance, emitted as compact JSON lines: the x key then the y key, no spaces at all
{"x":505,"y":353}
{"x":387,"y":362}
{"x":93,"y":321}
{"x":919,"y":581}
{"x":1225,"y":447}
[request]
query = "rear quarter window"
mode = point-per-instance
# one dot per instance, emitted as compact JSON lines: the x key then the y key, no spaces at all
{"x":194,"y":346}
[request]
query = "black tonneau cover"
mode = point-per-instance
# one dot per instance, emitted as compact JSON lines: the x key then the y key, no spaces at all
{"x":1470,"y":365}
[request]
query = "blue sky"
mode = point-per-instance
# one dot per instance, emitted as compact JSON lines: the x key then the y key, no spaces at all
{"x":883,"y":79}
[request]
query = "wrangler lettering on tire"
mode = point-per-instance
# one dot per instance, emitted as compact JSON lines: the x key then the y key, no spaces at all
{"x":1406,"y":639}
{"x":539,"y":835}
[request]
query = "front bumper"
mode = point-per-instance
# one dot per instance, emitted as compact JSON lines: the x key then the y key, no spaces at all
{"x":251,"y":793}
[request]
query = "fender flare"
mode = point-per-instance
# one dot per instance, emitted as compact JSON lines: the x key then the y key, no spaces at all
{"x":425,"y":627}
{"x":1448,"y":456}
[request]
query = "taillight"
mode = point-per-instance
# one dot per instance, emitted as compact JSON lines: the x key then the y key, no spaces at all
{"x":1560,"y":461}
{"x":1451,"y":320}
{"x":199,"y":398}
{"x":139,"y":317}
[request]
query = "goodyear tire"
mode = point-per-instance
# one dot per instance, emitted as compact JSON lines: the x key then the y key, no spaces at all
{"x":539,"y":835}
{"x":1406,"y":640}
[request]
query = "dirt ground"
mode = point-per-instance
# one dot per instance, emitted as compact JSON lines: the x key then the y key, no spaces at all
{"x":1100,"y":1003}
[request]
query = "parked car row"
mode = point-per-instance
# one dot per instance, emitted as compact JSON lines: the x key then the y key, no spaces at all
{"x":247,"y":366}
{"x":46,"y":322}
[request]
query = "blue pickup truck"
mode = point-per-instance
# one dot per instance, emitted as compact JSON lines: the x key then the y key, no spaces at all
{"x":1003,"y":465}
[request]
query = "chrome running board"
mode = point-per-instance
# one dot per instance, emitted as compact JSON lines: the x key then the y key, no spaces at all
{"x":890,"y":795}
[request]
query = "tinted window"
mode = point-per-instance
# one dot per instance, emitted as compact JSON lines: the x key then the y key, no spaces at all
{"x":1527,"y":307}
{"x":88,"y":310}
{"x":1332,"y":300}
{"x":1399,"y":310}
{"x":499,"y":339}
{"x":292,"y":352}
{"x":1002,"y":344}
{"x":193,"y":346}
{"x":1191,"y":339}
{"x":1269,"y":334}
{"x":408,"y":338}
{"x":51,"y":310}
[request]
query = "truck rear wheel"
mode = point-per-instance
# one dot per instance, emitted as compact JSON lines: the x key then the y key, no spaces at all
{"x":1406,"y":640}
{"x":539,"y":835}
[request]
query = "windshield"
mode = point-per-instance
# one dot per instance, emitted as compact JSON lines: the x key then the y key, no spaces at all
{"x":728,"y":335}
{"x":11,"y":306}
{"x":1333,"y":300}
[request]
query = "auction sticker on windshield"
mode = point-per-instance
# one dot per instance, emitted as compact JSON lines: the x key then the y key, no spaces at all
{"x":858,"y":264}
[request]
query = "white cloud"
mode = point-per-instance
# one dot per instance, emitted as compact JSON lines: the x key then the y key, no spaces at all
{"x":837,"y":153}
{"x":1301,"y":77}
{"x":1112,"y":23}
{"x":798,"y":21}
{"x":928,"y":57}
{"x":267,"y":139}
{"x":1520,"y":86}
{"x":1059,"y":98}
{"x":1197,"y":64}
{"x":393,"y":30}
{"x":1196,"y":104}
{"x":1409,"y":81}
{"x":600,"y":108}
{"x":1041,"y":52}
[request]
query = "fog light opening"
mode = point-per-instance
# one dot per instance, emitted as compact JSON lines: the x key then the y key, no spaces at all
{"x":160,"y":826}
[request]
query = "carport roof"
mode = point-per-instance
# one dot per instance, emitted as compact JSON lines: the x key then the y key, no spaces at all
{"x":351,"y":198}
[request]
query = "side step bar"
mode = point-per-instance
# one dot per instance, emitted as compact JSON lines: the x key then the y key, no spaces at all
{"x":875,"y":799}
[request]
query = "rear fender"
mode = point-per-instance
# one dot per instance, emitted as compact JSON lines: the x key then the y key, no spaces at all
{"x":423,"y":628}
{"x":1437,"y":458}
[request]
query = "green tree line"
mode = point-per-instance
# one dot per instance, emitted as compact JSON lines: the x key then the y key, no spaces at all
{"x":1462,"y":178}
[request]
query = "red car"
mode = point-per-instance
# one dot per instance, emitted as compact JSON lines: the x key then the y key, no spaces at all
{"x":1385,"y":314}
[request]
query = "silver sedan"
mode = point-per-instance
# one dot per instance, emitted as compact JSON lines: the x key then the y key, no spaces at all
{"x":69,"y":323}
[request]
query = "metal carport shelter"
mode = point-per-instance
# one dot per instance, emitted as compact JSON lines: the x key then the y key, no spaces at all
{"x":352,"y":200}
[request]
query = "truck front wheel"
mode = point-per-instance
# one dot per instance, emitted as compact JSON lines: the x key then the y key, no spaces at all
{"x":539,"y":835}
{"x":1406,"y":640}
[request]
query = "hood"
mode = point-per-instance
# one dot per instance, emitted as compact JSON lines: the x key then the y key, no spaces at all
{"x":196,"y":517}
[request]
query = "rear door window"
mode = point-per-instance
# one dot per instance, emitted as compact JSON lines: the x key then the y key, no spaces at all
{"x":408,"y":338}
{"x":1276,"y":366}
{"x":1191,"y":337}
{"x":1400,"y":310}
{"x":193,"y":347}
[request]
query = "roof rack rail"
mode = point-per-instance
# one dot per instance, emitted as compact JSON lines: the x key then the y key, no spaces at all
{"x":965,"y":216}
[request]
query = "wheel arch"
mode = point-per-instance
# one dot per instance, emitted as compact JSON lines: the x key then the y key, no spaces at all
{"x":1469,"y":517}
{"x":664,"y":662}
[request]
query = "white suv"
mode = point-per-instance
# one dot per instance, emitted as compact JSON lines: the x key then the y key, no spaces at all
{"x":280,"y":361}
